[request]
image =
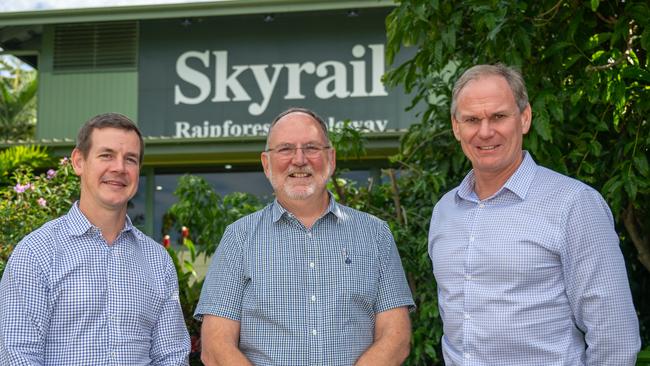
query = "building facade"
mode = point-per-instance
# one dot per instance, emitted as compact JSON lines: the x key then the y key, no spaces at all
{"x":204,"y":80}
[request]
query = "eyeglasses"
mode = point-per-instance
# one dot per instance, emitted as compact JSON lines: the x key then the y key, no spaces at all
{"x":287,"y":151}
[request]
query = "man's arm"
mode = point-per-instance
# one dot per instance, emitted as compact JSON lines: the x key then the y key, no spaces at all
{"x":24,"y":313}
{"x":597,"y":284}
{"x":220,"y":342}
{"x":170,"y":341}
{"x":392,"y":340}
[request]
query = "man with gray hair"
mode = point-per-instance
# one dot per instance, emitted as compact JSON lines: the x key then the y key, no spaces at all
{"x":527,"y":261}
{"x":304,"y":281}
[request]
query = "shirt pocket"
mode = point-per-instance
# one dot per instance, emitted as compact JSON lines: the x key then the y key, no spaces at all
{"x":360,"y":286}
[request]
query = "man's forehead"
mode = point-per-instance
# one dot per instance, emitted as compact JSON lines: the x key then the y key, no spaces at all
{"x":100,"y":142}
{"x":286,"y":127}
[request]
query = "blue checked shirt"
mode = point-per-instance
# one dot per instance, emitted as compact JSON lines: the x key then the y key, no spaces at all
{"x":532,"y":275}
{"x":305,"y":296}
{"x":68,"y":298}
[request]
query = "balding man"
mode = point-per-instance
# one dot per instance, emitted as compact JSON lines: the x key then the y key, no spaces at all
{"x":304,"y":281}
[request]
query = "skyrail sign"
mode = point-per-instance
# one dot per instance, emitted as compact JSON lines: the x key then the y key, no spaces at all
{"x":229,"y":76}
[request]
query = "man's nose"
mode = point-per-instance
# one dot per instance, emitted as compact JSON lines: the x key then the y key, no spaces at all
{"x":299,"y":157}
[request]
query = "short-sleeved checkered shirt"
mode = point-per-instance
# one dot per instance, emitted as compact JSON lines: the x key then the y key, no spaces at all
{"x":69,"y":298}
{"x":305,"y":296}
{"x":532,"y":275}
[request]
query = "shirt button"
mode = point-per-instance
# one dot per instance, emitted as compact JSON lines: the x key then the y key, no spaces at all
{"x":309,"y":234}
{"x":313,"y":297}
{"x":471,"y":239}
{"x":313,"y":332}
{"x":481,"y":205}
{"x":466,"y":355}
{"x":468,"y":277}
{"x":312,"y":264}
{"x":466,"y":316}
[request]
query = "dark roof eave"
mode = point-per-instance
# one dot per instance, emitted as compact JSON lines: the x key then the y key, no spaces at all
{"x":161,"y":11}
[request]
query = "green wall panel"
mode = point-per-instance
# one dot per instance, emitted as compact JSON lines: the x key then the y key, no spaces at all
{"x":67,"y":100}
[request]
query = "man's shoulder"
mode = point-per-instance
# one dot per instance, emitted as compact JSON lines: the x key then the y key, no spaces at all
{"x":252,"y":219}
{"x":44,"y":235}
{"x":559,"y":184}
{"x":354,"y":216}
{"x":148,"y":244}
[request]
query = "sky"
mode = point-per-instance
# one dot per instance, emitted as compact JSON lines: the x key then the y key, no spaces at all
{"x":29,"y":5}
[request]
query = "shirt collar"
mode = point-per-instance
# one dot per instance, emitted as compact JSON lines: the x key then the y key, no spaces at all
{"x":79,"y":224}
{"x":518,"y":183}
{"x":333,"y":207}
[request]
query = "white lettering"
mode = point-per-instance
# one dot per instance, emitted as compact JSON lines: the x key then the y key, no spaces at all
{"x":223,"y":81}
{"x":339,"y":81}
{"x":293,"y":78}
{"x":266,"y":86}
{"x":193,"y":77}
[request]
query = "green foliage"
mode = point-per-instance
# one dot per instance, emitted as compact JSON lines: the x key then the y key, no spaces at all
{"x":206,"y":213}
{"x":18,"y":88}
{"x":32,"y":200}
{"x":33,"y":156}
{"x":586,"y":69}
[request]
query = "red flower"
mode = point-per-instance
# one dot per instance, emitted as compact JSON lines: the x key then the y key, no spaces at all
{"x":166,"y":241}
{"x":185,"y":232}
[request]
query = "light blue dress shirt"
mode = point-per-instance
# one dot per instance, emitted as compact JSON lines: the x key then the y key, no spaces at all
{"x":69,"y":298}
{"x":532,"y":275}
{"x":305,"y":296}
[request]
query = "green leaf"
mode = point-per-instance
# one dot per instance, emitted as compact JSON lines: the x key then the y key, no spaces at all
{"x":641,"y":164}
{"x":594,"y":5}
{"x":542,"y":125}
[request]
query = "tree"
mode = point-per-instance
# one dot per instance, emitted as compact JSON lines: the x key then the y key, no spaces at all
{"x":586,"y":69}
{"x":18,"y":89}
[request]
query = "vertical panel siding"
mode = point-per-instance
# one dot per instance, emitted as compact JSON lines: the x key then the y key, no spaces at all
{"x":66,"y":100}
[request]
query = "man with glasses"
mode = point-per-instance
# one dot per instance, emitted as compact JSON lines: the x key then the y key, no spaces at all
{"x":305,"y":280}
{"x":527,"y":261}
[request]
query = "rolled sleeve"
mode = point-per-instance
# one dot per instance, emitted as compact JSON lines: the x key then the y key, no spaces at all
{"x":223,"y":288}
{"x":393,"y":288}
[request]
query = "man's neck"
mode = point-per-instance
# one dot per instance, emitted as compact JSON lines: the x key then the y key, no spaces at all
{"x":307,"y":211}
{"x":487,"y":184}
{"x":110,"y":222}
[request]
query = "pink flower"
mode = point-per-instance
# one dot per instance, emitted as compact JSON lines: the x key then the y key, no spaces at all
{"x":63,"y":160}
{"x":51,"y":173}
{"x":42,"y":202}
{"x":20,"y":188}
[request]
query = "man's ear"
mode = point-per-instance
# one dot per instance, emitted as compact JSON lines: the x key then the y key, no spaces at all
{"x":455,"y":128}
{"x":526,"y":119}
{"x":332,"y":161}
{"x":78,"y":161}
{"x":266,"y":164}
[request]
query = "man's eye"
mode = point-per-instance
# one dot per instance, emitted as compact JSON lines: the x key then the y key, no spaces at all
{"x":285,"y":150}
{"x":471,"y":120}
{"x":309,"y":149}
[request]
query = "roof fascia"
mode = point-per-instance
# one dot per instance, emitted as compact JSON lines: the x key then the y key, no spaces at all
{"x":162,"y":11}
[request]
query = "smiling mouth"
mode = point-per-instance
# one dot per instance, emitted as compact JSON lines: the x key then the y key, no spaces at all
{"x":300,"y":175}
{"x":115,"y":183}
{"x":488,"y":148}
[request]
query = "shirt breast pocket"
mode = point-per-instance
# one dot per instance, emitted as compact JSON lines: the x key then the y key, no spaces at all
{"x":360,"y":287}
